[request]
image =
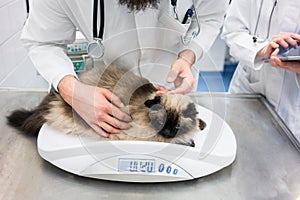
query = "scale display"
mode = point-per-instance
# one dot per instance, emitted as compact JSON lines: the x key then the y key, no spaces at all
{"x":136,"y":165}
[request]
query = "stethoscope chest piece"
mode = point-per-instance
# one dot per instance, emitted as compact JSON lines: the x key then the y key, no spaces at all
{"x":95,"y":49}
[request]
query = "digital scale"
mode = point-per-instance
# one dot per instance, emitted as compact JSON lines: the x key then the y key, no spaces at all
{"x":141,"y":161}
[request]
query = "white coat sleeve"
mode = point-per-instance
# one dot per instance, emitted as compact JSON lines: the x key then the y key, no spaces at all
{"x":45,"y":35}
{"x":210,"y":14}
{"x":237,"y":34}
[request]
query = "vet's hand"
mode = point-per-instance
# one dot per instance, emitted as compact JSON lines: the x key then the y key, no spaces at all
{"x":276,"y":62}
{"x":97,"y":106}
{"x":284,"y":39}
{"x":161,"y":90}
{"x":181,"y":73}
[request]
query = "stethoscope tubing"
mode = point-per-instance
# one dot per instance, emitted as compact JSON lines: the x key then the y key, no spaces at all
{"x":255,"y":38}
{"x":96,"y":45}
{"x":99,"y":34}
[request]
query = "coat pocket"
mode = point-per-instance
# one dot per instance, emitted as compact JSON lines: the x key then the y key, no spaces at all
{"x":245,"y":80}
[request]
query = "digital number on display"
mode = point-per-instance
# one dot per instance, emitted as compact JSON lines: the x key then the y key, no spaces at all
{"x":136,"y":165}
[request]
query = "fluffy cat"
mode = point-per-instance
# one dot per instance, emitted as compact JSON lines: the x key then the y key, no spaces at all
{"x":165,"y":118}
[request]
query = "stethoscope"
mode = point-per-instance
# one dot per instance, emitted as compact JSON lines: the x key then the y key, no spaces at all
{"x":96,"y":48}
{"x":194,"y":27}
{"x":255,"y":38}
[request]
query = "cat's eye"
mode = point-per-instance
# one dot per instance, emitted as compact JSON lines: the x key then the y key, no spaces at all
{"x":190,"y":111}
{"x":190,"y":118}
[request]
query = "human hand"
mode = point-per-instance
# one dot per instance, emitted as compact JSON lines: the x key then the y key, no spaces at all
{"x":97,"y":106}
{"x":276,"y":62}
{"x":181,"y":74}
{"x":161,"y":90}
{"x":284,"y":39}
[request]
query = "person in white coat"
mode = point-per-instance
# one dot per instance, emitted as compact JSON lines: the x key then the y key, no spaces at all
{"x":136,"y":33}
{"x":254,"y":31}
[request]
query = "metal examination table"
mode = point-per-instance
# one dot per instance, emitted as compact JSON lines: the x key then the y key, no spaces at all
{"x":267,"y":165}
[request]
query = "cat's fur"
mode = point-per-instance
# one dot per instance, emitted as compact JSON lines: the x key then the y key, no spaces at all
{"x":166,"y":118}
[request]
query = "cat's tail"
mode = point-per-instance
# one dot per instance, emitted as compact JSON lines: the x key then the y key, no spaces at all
{"x":27,"y":121}
{"x":31,"y":121}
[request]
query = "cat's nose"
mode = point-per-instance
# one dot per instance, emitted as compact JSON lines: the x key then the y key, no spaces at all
{"x":167,"y":133}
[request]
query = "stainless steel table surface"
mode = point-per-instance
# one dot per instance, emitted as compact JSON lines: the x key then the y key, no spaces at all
{"x":267,"y":164}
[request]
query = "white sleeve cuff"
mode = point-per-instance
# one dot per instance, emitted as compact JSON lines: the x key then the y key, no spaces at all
{"x":196,"y":48}
{"x":258,"y":62}
{"x":57,"y":79}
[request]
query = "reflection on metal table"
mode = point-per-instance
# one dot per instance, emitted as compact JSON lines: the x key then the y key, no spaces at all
{"x":267,"y":165}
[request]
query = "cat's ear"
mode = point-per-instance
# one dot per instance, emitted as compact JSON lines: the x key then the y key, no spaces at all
{"x":151,"y":102}
{"x":202,"y":124}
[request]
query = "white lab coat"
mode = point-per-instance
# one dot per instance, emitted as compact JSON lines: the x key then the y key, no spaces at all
{"x":253,"y":75}
{"x":146,"y":38}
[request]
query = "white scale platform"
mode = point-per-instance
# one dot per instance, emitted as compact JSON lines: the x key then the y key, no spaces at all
{"x":140,"y":161}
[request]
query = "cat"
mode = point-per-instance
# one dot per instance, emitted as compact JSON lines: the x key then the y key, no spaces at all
{"x":168,"y":118}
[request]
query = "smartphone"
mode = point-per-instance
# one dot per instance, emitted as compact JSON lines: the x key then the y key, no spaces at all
{"x":290,"y":54}
{"x":290,"y":58}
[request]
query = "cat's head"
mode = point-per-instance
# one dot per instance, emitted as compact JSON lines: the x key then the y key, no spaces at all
{"x":174,"y":116}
